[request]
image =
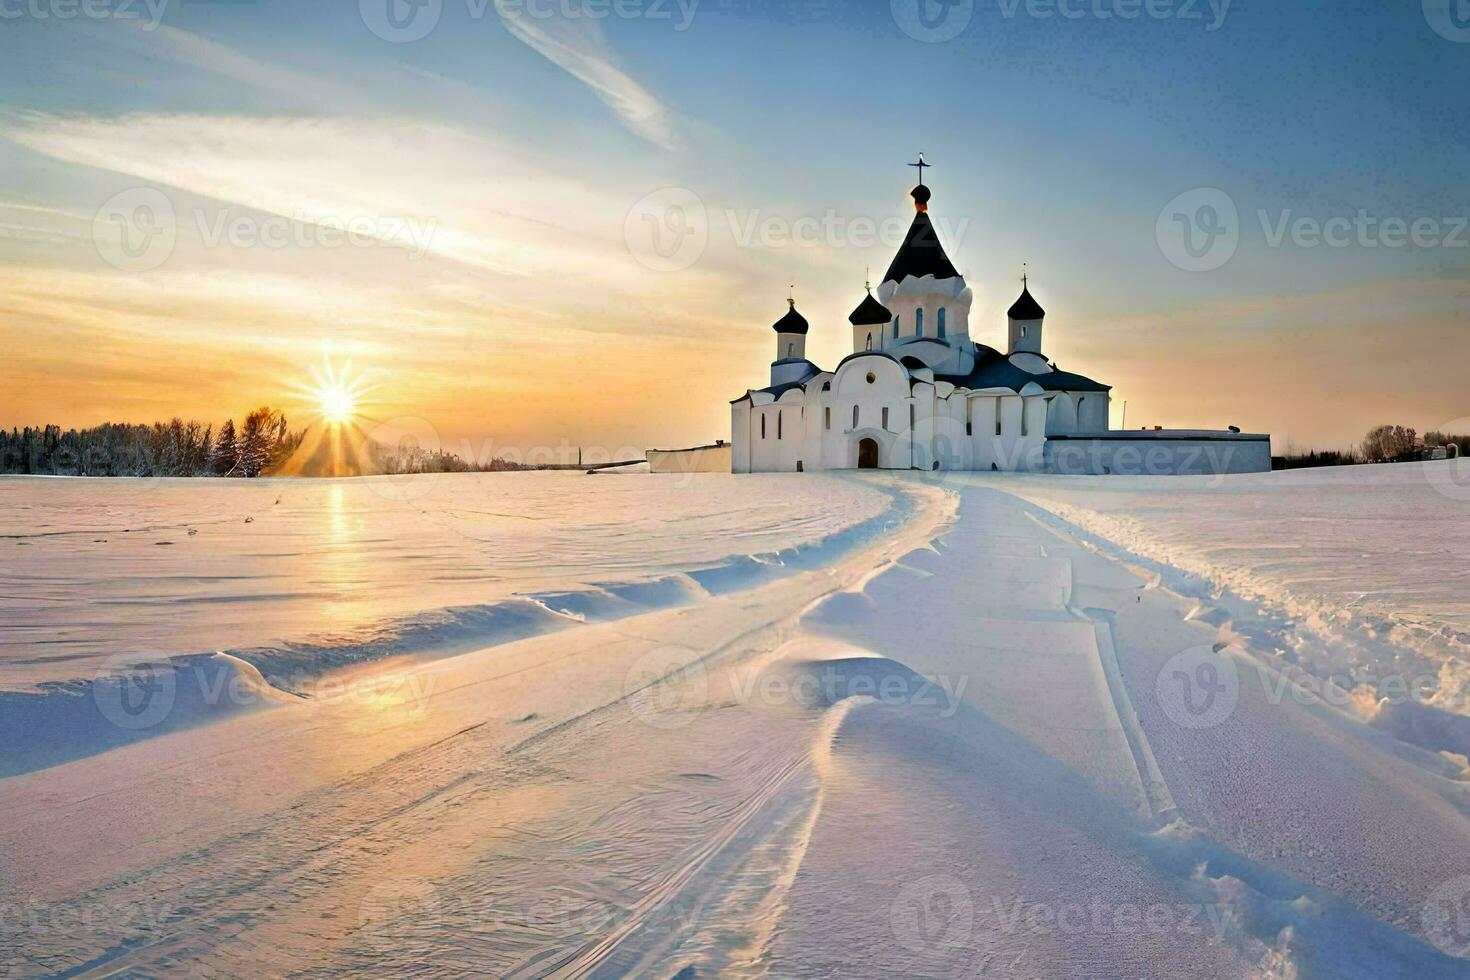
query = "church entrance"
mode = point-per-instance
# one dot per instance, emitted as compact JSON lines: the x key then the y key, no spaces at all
{"x":868,"y":454}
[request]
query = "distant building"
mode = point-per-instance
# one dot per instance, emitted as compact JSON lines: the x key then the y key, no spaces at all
{"x":918,"y":393}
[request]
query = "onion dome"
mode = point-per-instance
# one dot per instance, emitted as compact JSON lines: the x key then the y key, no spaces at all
{"x":1026,"y":307}
{"x":869,"y":313}
{"x":792,"y":322}
{"x":921,"y":195}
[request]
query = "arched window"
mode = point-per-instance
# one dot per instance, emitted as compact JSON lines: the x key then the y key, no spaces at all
{"x":790,"y":350}
{"x":870,"y":341}
{"x":763,"y":425}
{"x":919,"y":322}
{"x":895,"y":326}
{"x":854,"y":416}
{"x":941,"y":323}
{"x":781,"y":415}
{"x":885,"y":417}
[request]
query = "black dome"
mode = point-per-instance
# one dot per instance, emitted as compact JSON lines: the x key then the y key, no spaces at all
{"x":1025,"y":308}
{"x":869,"y":313}
{"x":920,"y":194}
{"x":792,"y":322}
{"x":920,"y":254}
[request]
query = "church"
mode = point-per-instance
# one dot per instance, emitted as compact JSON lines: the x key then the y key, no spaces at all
{"x":918,"y":393}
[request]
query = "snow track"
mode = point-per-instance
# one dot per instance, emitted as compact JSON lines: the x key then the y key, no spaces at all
{"x":950,"y":751}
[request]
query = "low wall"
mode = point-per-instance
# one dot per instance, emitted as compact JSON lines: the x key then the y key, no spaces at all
{"x":1157,"y":452}
{"x":700,"y":459}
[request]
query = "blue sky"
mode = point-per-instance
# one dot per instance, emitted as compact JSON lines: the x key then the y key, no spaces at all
{"x":524,"y":134}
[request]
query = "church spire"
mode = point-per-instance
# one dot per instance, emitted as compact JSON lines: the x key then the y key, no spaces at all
{"x":921,"y":254}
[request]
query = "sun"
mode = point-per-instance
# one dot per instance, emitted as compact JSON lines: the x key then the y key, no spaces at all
{"x":336,"y":403}
{"x":335,"y":393}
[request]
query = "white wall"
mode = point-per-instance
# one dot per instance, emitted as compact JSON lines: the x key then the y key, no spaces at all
{"x":1157,"y":453}
{"x":705,"y":459}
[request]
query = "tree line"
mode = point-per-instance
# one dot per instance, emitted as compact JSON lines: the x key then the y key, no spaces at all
{"x":1383,"y":444}
{"x":173,"y":448}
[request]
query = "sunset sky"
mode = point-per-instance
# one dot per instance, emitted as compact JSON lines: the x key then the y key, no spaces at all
{"x":495,"y":173}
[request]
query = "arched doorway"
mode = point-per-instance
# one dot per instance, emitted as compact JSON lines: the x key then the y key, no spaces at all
{"x":868,"y":454}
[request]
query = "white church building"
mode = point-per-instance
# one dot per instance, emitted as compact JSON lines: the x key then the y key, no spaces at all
{"x":918,"y":393}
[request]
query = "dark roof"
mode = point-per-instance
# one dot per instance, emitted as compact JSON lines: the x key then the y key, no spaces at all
{"x":869,"y":312}
{"x":995,"y":370}
{"x":775,"y":391}
{"x":1025,"y":308}
{"x":1067,"y":381}
{"x":792,"y":322}
{"x":920,"y":254}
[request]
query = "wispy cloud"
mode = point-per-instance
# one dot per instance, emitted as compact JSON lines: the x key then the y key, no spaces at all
{"x":579,"y":47}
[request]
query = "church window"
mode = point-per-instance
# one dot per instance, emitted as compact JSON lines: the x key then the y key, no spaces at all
{"x":1023,"y":420}
{"x":885,"y":418}
{"x":854,"y":416}
{"x":919,"y":322}
{"x":781,"y":416}
{"x":870,"y":341}
{"x":969,"y":416}
{"x":997,"y":416}
{"x":911,"y":416}
{"x":895,"y":326}
{"x":827,"y":417}
{"x":941,"y":323}
{"x":790,"y":350}
{"x":763,"y":425}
